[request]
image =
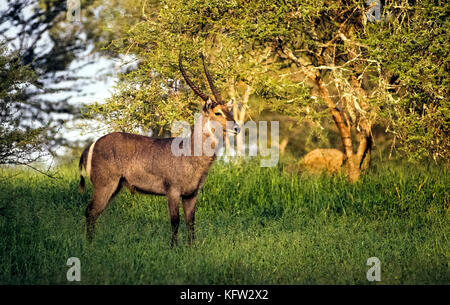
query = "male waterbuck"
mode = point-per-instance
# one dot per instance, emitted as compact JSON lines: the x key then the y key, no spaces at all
{"x":149,"y":165}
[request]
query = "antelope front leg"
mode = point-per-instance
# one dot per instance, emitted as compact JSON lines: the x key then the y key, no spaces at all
{"x":174,"y":211}
{"x":189,"y":216}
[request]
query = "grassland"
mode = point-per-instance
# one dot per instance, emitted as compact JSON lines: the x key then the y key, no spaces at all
{"x":253,"y":226}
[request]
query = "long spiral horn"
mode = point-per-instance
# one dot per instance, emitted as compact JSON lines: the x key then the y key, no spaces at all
{"x":210,"y":81}
{"x":189,"y":82}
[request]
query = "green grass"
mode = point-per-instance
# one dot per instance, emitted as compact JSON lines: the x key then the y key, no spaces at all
{"x":253,"y":226}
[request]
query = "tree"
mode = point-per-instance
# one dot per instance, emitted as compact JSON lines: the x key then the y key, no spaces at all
{"x":250,"y":45}
{"x":411,"y":45}
{"x":38,"y":38}
{"x":312,"y":60}
{"x":18,"y":144}
{"x":320,"y":39}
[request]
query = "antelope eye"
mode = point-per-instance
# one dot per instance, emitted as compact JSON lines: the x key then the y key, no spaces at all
{"x":218,"y":113}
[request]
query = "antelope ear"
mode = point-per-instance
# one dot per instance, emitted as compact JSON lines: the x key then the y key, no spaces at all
{"x":229,"y":105}
{"x":208,"y":105}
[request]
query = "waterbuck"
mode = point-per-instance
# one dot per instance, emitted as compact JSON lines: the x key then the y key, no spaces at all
{"x":148,"y":165}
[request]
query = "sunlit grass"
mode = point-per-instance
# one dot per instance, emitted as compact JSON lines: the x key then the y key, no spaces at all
{"x":253,"y":226}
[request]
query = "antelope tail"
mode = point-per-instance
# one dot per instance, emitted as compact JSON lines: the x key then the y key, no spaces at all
{"x":81,"y":164}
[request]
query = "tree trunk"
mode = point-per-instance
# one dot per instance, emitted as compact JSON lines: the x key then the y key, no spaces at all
{"x":353,"y":168}
{"x":364,"y":150}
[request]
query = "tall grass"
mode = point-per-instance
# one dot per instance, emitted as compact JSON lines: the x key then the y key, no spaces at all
{"x":253,"y":226}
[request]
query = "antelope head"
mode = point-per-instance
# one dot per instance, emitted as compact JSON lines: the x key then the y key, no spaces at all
{"x":214,"y":108}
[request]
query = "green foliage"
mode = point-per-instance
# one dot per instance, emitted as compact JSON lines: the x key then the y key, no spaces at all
{"x":191,"y":27}
{"x":48,"y":46}
{"x":254,"y":226}
{"x":18,"y":144}
{"x":411,"y":44}
{"x":400,"y":63}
